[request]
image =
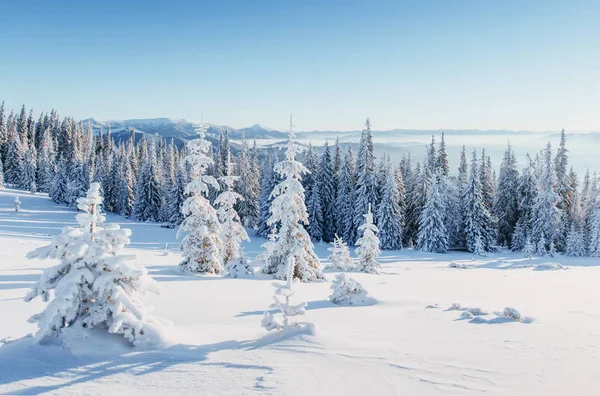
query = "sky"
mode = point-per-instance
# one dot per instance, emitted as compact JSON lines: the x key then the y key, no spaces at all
{"x":430,"y":64}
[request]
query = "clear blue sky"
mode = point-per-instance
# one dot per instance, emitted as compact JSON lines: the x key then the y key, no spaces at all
{"x":406,"y":64}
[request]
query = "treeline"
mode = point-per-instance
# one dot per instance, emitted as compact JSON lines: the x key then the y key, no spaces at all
{"x":538,"y":207}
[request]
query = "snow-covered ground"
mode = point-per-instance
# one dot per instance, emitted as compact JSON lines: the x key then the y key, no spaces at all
{"x":410,"y":342}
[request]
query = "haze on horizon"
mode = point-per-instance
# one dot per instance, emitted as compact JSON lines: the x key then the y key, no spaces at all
{"x":440,"y":64}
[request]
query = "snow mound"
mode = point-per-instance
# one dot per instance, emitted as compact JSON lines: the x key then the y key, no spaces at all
{"x":549,"y":266}
{"x":434,"y":306}
{"x":459,"y":266}
{"x":347,"y":291}
{"x":466,"y":315}
{"x":454,"y":307}
{"x":513,"y":314}
{"x":476,"y":311}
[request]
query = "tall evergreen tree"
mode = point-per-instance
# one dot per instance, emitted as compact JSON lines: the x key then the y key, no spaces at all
{"x":433,"y":236}
{"x":148,"y":190}
{"x":442,"y":158}
{"x":389,"y":216}
{"x":269,"y":179}
{"x":546,"y":214}
{"x":479,"y":227}
{"x":506,"y":203}
{"x":365,"y":192}
{"x":291,"y":251}
{"x":345,"y":198}
{"x":202,"y":247}
{"x":327,"y":193}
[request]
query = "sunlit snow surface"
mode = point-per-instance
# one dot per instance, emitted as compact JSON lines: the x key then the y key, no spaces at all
{"x":397,"y":346}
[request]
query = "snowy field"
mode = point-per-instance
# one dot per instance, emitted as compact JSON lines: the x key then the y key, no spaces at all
{"x":409,"y":343}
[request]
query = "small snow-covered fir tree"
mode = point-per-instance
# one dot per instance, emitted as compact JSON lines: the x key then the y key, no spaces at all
{"x":368,"y":245}
{"x":528,"y":248}
{"x":93,"y":286}
{"x":291,"y":241}
{"x":17,"y":204}
{"x":232,"y":231}
{"x":433,"y":236}
{"x":282,"y":297}
{"x":202,"y":246}
{"x":340,"y":259}
{"x":347,"y":291}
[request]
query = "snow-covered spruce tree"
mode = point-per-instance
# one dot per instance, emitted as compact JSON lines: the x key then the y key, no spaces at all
{"x":58,"y":190}
{"x":269,"y":179}
{"x":488,"y":184}
{"x":339,"y":257}
{"x":232,"y":231}
{"x":327,"y":192}
{"x":28,"y":176}
{"x":347,"y":291}
{"x":338,"y":161}
{"x":594,"y":230}
{"x":442,"y":158}
{"x":575,"y":242}
{"x":13,"y":163}
{"x":433,"y":236}
{"x":1,"y":172}
{"x":564,"y":190}
{"x":416,"y":195}
{"x":148,"y":191}
{"x":545,"y":213}
{"x":177,"y":195}
{"x":46,"y":161}
{"x":248,"y":186}
{"x":126,"y":197}
{"x":93,"y":286}
{"x":506,"y":203}
{"x":312,"y":189}
{"x":202,"y":246}
{"x":345,"y":198}
{"x":365,"y":192}
{"x":527,"y":191}
{"x":528,"y":248}
{"x":282,"y":297}
{"x":291,"y":242}
{"x":389,"y":216}
{"x":3,"y":133}
{"x":368,"y":245}
{"x":479,"y":227}
{"x":17,"y":204}
{"x":315,"y":213}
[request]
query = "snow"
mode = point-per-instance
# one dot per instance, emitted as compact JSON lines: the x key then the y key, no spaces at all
{"x":394,"y":347}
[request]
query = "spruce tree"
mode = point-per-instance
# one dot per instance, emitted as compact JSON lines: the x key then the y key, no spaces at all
{"x":545,"y":212}
{"x":433,"y":236}
{"x":506,"y":204}
{"x":93,"y":287}
{"x":148,"y":191}
{"x":368,"y":245}
{"x":389,"y":216}
{"x":365,"y":192}
{"x":479,"y":231}
{"x":527,"y":192}
{"x":345,"y":198}
{"x":327,"y":193}
{"x":177,"y":195}
{"x":202,"y":247}
{"x":232,"y":232}
{"x":291,"y":245}
{"x":268,"y":181}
